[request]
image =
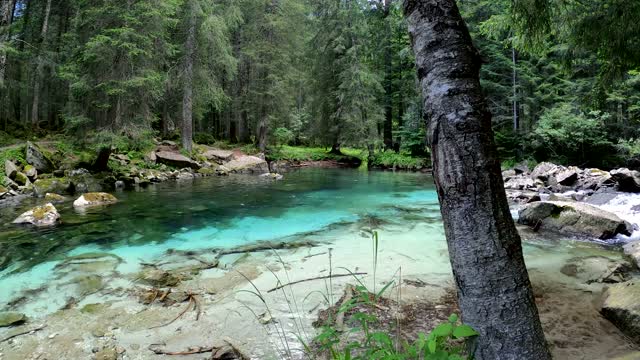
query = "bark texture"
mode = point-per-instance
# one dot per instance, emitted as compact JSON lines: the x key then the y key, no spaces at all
{"x":35,"y":106}
{"x":187,"y":97}
{"x":494,"y":290}
{"x":6,"y":10}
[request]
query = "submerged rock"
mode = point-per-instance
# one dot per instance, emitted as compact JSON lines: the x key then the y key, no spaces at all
{"x":158,"y":278}
{"x":274,"y":176}
{"x":632,"y":250}
{"x":10,"y":318}
{"x":45,"y":215}
{"x":248,"y":165}
{"x":94,"y":199}
{"x":621,"y":306}
{"x":597,"y":269}
{"x":52,"y":197}
{"x":37,"y":158}
{"x":573,"y":218}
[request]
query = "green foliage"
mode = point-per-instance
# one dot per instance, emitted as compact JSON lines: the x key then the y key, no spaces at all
{"x":283,"y":136}
{"x":297,"y":153}
{"x":402,"y":161}
{"x":17,"y":155}
{"x":570,"y":136}
{"x":204,"y":138}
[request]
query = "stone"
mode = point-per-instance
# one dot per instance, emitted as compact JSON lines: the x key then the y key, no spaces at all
{"x":54,"y":185}
{"x":222,"y":171}
{"x":521,"y":168}
{"x":632,"y":251}
{"x":151,"y":157}
{"x":107,"y":354}
{"x":10,"y":318}
{"x":10,"y":184}
{"x":273,"y":176}
{"x":597,"y":269}
{"x":45,"y":215}
{"x":573,"y":218}
{"x":543,"y":170}
{"x":519,"y":183}
{"x":10,"y":169}
{"x":21,"y":179}
{"x":176,"y":160}
{"x":37,"y":158}
{"x":627,"y":180}
{"x":620,"y":305}
{"x":94,"y":199}
{"x":218,"y":155}
{"x":31,"y":172}
{"x":168,"y":143}
{"x":58,"y":173}
{"x":119,"y":184}
{"x":158,"y":278}
{"x":53,"y":198}
{"x":248,"y":165}
{"x":567,"y":177}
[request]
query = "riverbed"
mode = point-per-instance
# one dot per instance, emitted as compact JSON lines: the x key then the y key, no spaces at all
{"x":82,"y":279}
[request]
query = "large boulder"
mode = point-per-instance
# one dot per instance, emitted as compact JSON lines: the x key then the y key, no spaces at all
{"x":176,"y":160}
{"x":54,"y":185}
{"x":218,"y":155}
{"x":45,"y":215}
{"x":567,"y":177}
{"x":573,"y":218}
{"x":248,"y":165}
{"x":10,"y":169}
{"x":519,"y":183}
{"x":620,"y":304}
{"x":37,"y":158}
{"x":94,"y":199}
{"x":543,"y":170}
{"x":632,"y":251}
{"x":627,"y":180}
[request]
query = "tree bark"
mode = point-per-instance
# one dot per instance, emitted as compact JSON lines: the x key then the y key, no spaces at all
{"x":494,"y":291}
{"x":6,"y":12}
{"x":514,"y":79}
{"x":387,"y":128}
{"x":35,"y":105}
{"x":187,"y":99}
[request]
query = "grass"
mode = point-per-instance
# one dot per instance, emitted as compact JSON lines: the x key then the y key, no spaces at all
{"x":400,"y":161}
{"x":299,"y":153}
{"x":17,"y":155}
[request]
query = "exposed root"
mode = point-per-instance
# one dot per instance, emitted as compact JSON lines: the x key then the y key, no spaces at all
{"x":193,"y":303}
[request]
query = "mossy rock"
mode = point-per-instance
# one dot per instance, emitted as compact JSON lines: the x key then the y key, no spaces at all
{"x":52,"y":197}
{"x":95,"y":199}
{"x":3,"y":189}
{"x":53,"y":185}
{"x":93,"y":308}
{"x":206,"y":171}
{"x":11,"y":318}
{"x":45,"y":215}
{"x":21,"y":179}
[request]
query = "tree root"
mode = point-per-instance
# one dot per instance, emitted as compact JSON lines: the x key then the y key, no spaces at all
{"x":193,"y":302}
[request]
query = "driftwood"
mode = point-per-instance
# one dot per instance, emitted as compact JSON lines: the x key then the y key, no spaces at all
{"x":225,"y":352}
{"x":33,"y":330}
{"x":315,"y":278}
{"x":267,"y":246}
{"x":193,"y":301}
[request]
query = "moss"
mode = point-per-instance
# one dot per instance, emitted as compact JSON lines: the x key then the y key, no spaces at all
{"x":93,"y":308}
{"x":3,"y":189}
{"x":99,"y":197}
{"x":40,"y":212}
{"x":207,"y":171}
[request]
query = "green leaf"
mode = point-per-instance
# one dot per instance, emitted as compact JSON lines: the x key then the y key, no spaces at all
{"x":453,"y":318}
{"x":464,"y":331}
{"x":431,"y":345}
{"x":443,"y":330}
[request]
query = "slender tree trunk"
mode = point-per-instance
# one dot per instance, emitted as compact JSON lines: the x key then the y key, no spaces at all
{"x":388,"y":84}
{"x":485,"y":250}
{"x":514,"y":79}
{"x":187,"y":99}
{"x":6,"y":12}
{"x":35,"y":105}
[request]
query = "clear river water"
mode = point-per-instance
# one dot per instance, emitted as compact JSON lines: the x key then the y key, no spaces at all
{"x":334,"y":205}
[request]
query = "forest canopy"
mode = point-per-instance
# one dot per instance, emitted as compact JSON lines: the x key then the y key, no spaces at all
{"x":562,"y":77}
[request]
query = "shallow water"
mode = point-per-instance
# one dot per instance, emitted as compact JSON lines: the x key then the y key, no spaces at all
{"x":336,"y":206}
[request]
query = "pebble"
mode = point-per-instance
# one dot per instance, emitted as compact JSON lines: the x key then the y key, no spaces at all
{"x":120,"y":350}
{"x":53,"y":335}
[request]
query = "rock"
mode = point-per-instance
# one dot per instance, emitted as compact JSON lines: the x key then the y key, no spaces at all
{"x":119,"y":184}
{"x":627,"y":180}
{"x":31,"y":172}
{"x":58,"y":173}
{"x":45,"y":215}
{"x":94,"y":199}
{"x":185,"y":176}
{"x":508,"y":174}
{"x":168,"y":143}
{"x":176,"y":160}
{"x":519,"y":183}
{"x":632,"y":250}
{"x":151,"y":157}
{"x":9,"y":318}
{"x":37,"y":158}
{"x":620,"y":305}
{"x":107,"y":354}
{"x":273,"y":176}
{"x":10,"y":169}
{"x":248,"y":165}
{"x":567,"y":177}
{"x":597,"y":269}
{"x":21,"y":179}
{"x":53,"y":198}
{"x":158,"y":278}
{"x":594,"y":179}
{"x":222,"y":170}
{"x":10,"y":183}
{"x":54,"y":185}
{"x":573,"y":218}
{"x":521,"y":168}
{"x":219,"y":155}
{"x":543,"y":170}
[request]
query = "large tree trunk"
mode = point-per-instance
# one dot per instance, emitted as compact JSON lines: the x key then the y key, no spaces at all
{"x":35,"y":105}
{"x":6,"y":12}
{"x":494,"y":291}
{"x":187,"y":99}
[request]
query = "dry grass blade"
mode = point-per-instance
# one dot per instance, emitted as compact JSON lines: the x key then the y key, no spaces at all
{"x":315,"y":278}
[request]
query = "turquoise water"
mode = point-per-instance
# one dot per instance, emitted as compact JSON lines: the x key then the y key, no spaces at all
{"x":209,"y":213}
